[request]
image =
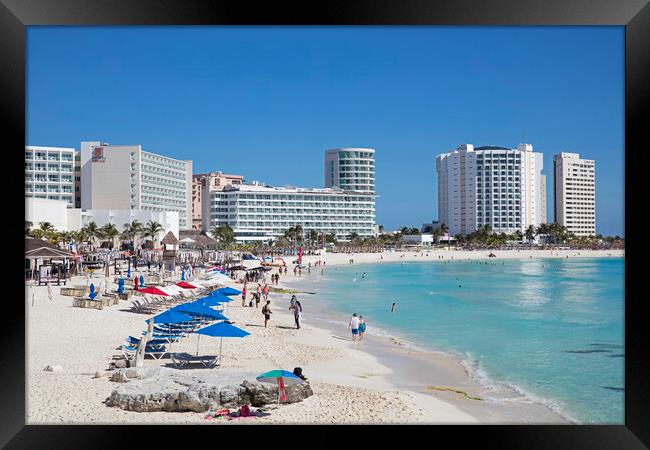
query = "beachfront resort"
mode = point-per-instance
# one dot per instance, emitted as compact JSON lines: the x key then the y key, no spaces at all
{"x":174,"y":297}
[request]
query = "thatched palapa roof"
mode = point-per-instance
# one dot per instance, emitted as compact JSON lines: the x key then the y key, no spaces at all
{"x":169,"y":239}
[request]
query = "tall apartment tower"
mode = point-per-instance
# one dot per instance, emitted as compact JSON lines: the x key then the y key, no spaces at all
{"x":351,"y":169}
{"x":128,"y":177}
{"x":575,"y":193}
{"x":496,"y":186}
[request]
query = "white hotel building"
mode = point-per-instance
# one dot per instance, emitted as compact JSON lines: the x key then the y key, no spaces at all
{"x":575,"y":193}
{"x":496,"y":186}
{"x":125,"y":177}
{"x":49,"y":173}
{"x":259,"y":213}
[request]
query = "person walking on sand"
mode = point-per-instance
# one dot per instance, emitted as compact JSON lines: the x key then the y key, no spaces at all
{"x":362,"y":327}
{"x":266,"y":310}
{"x":243,"y":296}
{"x":266,"y":292}
{"x":354,"y":326}
{"x":297,"y":311}
{"x":259,"y":290}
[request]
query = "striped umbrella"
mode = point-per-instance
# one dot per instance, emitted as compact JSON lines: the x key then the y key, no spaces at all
{"x":281,"y":378}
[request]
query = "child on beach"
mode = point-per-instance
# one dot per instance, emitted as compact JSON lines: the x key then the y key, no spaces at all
{"x":266,"y":310}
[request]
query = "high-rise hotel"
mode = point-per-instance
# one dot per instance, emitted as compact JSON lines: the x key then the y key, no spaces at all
{"x":125,"y":177}
{"x":49,"y":173}
{"x":575,"y":193}
{"x":496,"y":186}
{"x":345,"y":206}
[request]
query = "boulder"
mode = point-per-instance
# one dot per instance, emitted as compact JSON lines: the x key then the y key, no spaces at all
{"x":157,"y":389}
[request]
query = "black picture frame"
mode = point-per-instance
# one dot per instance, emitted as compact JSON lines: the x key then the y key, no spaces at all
{"x":15,"y":15}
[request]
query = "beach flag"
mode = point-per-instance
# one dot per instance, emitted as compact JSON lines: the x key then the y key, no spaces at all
{"x":281,"y":390}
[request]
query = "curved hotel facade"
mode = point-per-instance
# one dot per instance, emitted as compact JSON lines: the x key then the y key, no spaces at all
{"x":350,"y":169}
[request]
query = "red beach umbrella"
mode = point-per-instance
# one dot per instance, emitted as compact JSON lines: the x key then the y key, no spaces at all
{"x":151,"y":290}
{"x":185,"y":285}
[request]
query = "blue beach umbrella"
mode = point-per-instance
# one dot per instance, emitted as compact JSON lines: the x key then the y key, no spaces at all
{"x":221,"y":330}
{"x":120,"y":286}
{"x":227,"y":291}
{"x":128,"y":272}
{"x":141,"y":281}
{"x":182,"y":275}
{"x":92,"y":294}
{"x":198,"y":309}
{"x":171,"y":317}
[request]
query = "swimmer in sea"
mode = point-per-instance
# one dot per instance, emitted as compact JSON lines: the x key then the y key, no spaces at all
{"x":392,"y":308}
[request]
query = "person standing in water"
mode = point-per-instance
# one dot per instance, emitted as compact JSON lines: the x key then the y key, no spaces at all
{"x":392,"y":308}
{"x":362,"y":327}
{"x":354,"y":326}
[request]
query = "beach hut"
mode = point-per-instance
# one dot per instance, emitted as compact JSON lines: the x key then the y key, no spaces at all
{"x":170,"y":246}
{"x":46,"y":262}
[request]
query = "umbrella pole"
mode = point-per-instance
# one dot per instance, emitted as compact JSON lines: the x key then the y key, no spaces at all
{"x":220,"y":346}
{"x":197,"y":345}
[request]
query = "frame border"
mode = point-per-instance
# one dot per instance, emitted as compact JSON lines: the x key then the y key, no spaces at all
{"x":15,"y":15}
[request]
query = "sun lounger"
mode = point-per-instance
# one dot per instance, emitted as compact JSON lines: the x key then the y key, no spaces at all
{"x":155,"y":342}
{"x":183,"y":359}
{"x":155,"y":352}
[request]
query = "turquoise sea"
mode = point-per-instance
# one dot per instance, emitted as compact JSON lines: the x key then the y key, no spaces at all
{"x":551,"y":329}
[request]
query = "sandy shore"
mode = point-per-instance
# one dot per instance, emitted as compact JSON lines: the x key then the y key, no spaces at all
{"x":350,"y":386}
{"x":352,"y":383}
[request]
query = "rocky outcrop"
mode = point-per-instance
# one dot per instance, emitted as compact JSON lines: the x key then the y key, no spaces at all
{"x":146,"y":391}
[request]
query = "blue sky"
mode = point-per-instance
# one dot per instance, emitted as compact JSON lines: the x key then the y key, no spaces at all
{"x":265,"y":102}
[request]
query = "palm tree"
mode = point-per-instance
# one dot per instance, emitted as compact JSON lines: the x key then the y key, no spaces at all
{"x":298,"y":233}
{"x":313,"y":237}
{"x":132,"y":230}
{"x":91,"y":231}
{"x":109,"y":231}
{"x":354,"y":238}
{"x":152,"y":229}
{"x":530,"y":233}
{"x":224,"y":234}
{"x":46,"y":226}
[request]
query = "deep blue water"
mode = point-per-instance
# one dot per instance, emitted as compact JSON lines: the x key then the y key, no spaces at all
{"x":552,"y":329}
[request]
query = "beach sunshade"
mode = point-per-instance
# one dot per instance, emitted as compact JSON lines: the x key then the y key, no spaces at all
{"x":120,"y":286}
{"x":128,"y":272}
{"x":228,"y":291}
{"x":172,"y":317}
{"x":198,"y":309}
{"x":182,"y":275}
{"x":92,"y":291}
{"x":273,"y":375}
{"x":281,"y":378}
{"x":213,"y":300}
{"x":151,"y":290}
{"x":185,"y":285}
{"x":221,"y":330}
{"x":141,"y":280}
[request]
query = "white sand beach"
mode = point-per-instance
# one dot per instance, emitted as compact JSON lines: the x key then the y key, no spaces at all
{"x":350,"y":384}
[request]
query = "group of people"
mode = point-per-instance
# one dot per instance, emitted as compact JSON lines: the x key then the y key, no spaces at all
{"x":260,"y":291}
{"x":294,"y":306}
{"x":358,"y":326}
{"x":275,"y":278}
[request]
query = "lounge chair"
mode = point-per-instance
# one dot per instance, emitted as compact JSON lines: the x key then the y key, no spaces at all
{"x":155,"y":342}
{"x":156,"y":352}
{"x":183,"y":359}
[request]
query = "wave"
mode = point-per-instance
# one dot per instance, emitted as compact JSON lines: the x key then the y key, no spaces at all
{"x":478,"y":373}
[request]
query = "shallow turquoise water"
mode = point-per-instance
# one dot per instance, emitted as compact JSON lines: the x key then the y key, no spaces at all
{"x":551,"y":329}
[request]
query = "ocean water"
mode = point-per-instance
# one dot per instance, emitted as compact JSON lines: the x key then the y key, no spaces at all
{"x":551,"y":330}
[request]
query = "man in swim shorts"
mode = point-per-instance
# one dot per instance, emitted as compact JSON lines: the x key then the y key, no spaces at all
{"x":354,"y":326}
